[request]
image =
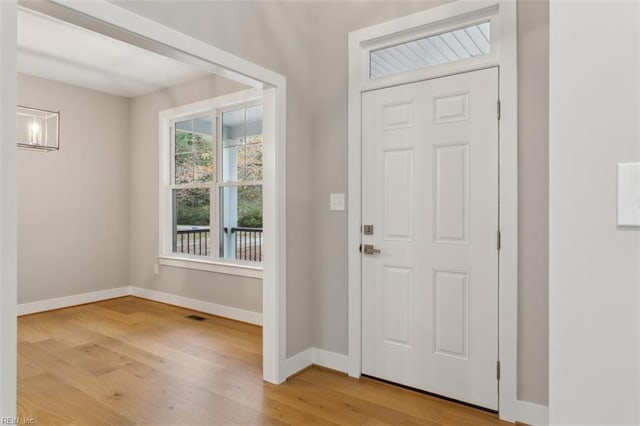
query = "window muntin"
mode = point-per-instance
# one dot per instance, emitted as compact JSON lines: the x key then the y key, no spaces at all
{"x":456,"y":45}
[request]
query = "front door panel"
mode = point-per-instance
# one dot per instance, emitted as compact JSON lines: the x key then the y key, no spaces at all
{"x":430,"y":188}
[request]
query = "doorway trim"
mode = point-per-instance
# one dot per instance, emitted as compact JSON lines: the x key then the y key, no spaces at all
{"x":503,"y":15}
{"x":109,"y":19}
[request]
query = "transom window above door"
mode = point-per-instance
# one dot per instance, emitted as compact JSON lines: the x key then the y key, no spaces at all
{"x":211,"y":192}
{"x":456,"y":45}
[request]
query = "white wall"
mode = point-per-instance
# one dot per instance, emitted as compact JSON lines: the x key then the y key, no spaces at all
{"x":238,"y":292}
{"x":73,"y":205}
{"x":593,"y":265}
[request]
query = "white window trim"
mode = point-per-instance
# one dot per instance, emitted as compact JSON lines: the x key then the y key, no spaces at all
{"x":166,"y":118}
{"x":211,"y":266}
{"x":504,"y":55}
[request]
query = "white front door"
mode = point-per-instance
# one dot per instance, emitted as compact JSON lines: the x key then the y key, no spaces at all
{"x":430,"y":190}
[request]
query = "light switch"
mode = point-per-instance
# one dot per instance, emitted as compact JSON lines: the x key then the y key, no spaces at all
{"x":629,"y":194}
{"x":336,"y":202}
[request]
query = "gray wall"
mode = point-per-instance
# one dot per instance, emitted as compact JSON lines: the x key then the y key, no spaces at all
{"x":238,"y":292}
{"x":332,"y":22}
{"x":307,"y":42}
{"x":533,"y":205}
{"x":73,"y":205}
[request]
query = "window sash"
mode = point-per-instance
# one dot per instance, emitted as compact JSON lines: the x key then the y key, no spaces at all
{"x":172,"y":213}
{"x":220,"y":143}
{"x":222,"y":220}
{"x":172,"y":142}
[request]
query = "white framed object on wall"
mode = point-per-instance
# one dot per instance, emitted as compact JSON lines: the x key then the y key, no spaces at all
{"x":629,"y":194}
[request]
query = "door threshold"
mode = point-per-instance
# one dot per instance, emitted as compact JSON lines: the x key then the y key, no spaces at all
{"x":427,"y":393}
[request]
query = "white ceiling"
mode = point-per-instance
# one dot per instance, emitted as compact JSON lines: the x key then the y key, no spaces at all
{"x":56,"y":50}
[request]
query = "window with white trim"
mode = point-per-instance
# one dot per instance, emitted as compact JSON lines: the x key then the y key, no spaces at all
{"x":212,"y":196}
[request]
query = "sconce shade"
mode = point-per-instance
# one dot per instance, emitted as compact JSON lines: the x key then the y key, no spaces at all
{"x":37,"y":129}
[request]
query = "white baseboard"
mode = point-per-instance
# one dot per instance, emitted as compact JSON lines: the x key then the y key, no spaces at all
{"x":199,"y":305}
{"x":67,"y":301}
{"x":299,"y":362}
{"x":532,"y":414}
{"x":158,"y":296}
{"x":332,"y":360}
{"x":315,"y":356}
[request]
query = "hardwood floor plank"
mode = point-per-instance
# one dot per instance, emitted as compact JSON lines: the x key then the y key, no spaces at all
{"x":133,"y":361}
{"x":66,"y":402}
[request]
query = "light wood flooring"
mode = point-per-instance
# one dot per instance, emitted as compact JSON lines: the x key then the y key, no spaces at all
{"x":131,"y":361}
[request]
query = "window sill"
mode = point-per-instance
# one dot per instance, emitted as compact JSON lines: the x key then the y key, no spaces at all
{"x":209,"y":266}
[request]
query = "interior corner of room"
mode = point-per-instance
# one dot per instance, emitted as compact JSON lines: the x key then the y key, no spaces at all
{"x":88,"y":213}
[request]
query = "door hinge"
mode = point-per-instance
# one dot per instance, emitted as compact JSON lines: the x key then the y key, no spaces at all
{"x":498,"y":370}
{"x":360,"y":248}
{"x":499,"y":240}
{"x":498,"y":109}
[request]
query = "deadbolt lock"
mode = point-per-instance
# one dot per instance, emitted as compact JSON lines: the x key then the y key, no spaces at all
{"x":367,"y":229}
{"x":370,"y":249}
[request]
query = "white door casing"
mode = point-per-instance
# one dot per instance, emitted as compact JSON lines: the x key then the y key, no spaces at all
{"x":430,"y":189}
{"x":504,"y":48}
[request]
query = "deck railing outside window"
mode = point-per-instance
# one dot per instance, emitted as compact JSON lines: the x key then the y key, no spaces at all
{"x":197,"y":241}
{"x":248,"y":243}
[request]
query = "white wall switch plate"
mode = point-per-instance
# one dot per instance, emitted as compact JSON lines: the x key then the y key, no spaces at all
{"x":629,"y":194}
{"x":336,"y":202}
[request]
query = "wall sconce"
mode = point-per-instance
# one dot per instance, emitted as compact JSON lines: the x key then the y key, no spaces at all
{"x":37,"y":129}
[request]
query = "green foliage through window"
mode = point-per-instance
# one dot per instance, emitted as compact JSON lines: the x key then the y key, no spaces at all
{"x":250,"y":206}
{"x":192,"y":206}
{"x":194,"y":157}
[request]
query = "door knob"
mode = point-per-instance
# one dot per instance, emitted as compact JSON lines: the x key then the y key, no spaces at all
{"x":370,"y":249}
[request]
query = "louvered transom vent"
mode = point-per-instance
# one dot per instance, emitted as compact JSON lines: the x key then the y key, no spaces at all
{"x":463,"y":43}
